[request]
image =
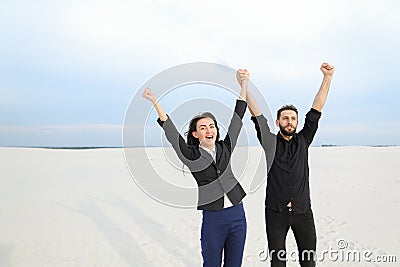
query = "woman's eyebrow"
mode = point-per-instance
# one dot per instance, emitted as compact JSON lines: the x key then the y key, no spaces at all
{"x":206,"y":124}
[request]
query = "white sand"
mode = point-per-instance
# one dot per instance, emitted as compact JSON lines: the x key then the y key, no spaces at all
{"x":82,"y":208}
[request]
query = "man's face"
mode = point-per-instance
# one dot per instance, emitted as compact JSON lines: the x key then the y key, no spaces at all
{"x":287,"y":122}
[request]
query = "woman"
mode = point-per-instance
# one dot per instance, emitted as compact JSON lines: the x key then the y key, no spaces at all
{"x":220,"y":194}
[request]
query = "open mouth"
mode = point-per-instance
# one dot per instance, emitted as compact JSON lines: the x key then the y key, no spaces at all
{"x":209,"y":137}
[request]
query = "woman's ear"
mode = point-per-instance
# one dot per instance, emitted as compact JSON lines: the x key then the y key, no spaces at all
{"x":195,"y":135}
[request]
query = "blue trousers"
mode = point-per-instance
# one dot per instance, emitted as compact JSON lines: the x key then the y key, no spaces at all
{"x":223,"y":231}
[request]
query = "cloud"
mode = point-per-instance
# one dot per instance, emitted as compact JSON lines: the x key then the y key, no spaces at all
{"x":61,"y":135}
{"x":357,"y":133}
{"x":78,"y":62}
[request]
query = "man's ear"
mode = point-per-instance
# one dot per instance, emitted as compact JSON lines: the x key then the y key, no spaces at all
{"x":195,"y":135}
{"x":277,"y":123}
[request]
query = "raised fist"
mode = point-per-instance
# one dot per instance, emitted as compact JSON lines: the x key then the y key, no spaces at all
{"x":327,"y":69}
{"x":148,"y":94}
{"x":242,"y":75}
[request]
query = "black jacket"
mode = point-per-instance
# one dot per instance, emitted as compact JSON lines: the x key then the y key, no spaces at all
{"x":213,"y":178}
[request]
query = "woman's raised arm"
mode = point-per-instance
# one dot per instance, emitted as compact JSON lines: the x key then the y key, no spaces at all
{"x":148,"y":94}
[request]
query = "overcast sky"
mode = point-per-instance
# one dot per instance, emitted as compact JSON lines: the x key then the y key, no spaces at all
{"x":69,"y":69}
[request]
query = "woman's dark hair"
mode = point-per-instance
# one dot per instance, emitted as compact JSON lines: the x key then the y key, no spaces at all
{"x":190,"y":139}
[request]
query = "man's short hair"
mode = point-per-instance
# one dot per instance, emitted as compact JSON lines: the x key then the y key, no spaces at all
{"x":286,"y":107}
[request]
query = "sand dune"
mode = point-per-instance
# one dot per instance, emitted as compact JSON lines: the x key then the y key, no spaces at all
{"x":82,"y":208}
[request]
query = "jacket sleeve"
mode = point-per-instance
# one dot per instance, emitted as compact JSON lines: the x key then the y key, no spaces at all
{"x":185,"y":153}
{"x":235,"y":125}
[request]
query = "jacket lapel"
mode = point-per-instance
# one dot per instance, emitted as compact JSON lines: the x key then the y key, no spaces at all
{"x":218,"y":147}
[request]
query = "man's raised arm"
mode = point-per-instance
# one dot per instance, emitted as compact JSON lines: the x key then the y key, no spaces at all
{"x":244,"y":75}
{"x":320,"y":98}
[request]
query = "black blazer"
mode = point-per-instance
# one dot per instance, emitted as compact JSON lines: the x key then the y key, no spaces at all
{"x":214,"y":179}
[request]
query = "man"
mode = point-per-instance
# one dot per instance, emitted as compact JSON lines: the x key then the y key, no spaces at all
{"x":287,"y":203}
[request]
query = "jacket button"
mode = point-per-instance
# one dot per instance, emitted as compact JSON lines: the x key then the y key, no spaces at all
{"x":218,"y":171}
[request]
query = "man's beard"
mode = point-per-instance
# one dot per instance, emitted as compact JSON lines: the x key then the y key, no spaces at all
{"x":286,"y":133}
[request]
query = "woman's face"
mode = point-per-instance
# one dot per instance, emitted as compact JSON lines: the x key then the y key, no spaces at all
{"x":206,"y":132}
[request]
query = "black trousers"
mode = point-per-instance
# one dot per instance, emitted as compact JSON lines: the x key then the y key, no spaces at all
{"x":303,"y":227}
